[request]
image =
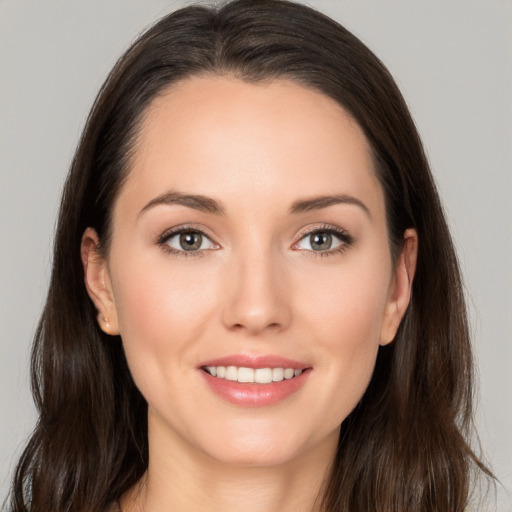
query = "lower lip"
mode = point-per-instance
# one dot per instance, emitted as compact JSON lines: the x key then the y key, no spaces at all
{"x":255,"y":395}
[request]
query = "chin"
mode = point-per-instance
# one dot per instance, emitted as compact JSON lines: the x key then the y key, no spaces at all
{"x":247,"y":457}
{"x":259,"y":447}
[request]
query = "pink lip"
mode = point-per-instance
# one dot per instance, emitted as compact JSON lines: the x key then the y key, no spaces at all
{"x":248,"y":361}
{"x":255,"y":395}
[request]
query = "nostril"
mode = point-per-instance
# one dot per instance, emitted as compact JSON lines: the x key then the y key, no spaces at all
{"x":250,"y":327}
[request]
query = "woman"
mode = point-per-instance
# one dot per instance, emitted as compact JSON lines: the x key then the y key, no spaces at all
{"x":255,"y":303}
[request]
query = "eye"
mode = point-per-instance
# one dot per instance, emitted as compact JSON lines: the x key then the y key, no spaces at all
{"x":325,"y":240}
{"x":187,"y":240}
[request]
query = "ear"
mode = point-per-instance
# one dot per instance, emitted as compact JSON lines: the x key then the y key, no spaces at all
{"x":400,"y":287}
{"x":97,"y":282}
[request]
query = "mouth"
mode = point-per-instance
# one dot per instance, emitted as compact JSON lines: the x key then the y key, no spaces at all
{"x":255,"y":381}
{"x":252,"y":375}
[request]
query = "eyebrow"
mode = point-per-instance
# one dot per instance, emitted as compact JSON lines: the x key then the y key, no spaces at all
{"x":197,"y":202}
{"x":317,"y":203}
{"x":209,"y":205}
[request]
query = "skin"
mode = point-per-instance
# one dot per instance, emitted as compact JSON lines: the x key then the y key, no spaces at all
{"x":257,"y":288}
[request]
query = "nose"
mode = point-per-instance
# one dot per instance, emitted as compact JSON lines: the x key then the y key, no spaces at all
{"x":258,"y":295}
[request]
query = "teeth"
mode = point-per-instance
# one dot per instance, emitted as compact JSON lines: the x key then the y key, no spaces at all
{"x":231,"y":373}
{"x":277,"y":374}
{"x":245,"y":375}
{"x":263,"y":375}
{"x":289,"y":373}
{"x":250,"y":375}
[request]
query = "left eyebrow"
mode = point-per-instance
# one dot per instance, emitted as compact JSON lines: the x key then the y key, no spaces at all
{"x":319,"y":202}
{"x":194,"y":201}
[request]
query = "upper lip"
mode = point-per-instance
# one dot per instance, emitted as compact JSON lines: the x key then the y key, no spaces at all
{"x":256,"y":361}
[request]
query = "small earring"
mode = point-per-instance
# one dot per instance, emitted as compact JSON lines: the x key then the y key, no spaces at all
{"x":107,"y":322}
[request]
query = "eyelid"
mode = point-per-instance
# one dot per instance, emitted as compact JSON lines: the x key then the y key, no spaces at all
{"x":345,"y":238}
{"x":178,"y":230}
{"x":340,"y":233}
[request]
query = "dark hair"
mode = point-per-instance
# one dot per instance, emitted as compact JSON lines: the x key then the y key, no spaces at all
{"x":405,"y":445}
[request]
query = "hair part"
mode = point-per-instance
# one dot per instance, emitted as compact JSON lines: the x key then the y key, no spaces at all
{"x":405,"y":446}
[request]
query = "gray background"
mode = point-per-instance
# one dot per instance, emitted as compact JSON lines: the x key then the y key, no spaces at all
{"x":453,"y":62}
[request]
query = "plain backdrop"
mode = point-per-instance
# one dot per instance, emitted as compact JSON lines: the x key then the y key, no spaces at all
{"x":453,"y":62}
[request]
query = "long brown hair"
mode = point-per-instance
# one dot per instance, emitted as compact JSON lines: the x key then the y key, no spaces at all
{"x":405,"y":446}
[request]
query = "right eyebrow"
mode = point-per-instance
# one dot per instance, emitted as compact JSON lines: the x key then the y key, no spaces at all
{"x":197,"y":202}
{"x":317,"y":203}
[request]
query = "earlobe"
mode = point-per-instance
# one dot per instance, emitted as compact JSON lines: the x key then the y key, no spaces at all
{"x":401,"y":287}
{"x":97,"y":282}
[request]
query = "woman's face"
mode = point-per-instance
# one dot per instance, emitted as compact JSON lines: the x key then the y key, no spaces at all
{"x":250,"y":233}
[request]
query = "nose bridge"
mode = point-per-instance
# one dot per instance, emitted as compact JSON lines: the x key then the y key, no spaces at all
{"x":257,"y":300}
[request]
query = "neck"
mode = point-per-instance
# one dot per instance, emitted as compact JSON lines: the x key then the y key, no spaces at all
{"x":182,"y":479}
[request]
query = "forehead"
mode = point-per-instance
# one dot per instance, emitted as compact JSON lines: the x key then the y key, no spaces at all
{"x":223,"y":137}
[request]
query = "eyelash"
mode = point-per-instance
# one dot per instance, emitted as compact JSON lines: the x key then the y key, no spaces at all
{"x":164,"y":238}
{"x":346,"y":239}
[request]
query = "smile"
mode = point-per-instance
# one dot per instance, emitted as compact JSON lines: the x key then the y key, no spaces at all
{"x":255,"y":380}
{"x":252,"y":375}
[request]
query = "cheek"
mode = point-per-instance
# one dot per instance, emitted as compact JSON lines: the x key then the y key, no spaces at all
{"x":347,"y":305}
{"x":161,"y":307}
{"x":345,"y":320}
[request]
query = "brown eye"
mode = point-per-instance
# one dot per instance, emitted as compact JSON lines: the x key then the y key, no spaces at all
{"x":191,"y":241}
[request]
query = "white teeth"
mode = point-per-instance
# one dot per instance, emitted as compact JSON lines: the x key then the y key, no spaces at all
{"x":289,"y":373}
{"x":277,"y":374}
{"x":231,"y":373}
{"x":245,"y":375}
{"x":250,"y":375}
{"x":263,"y":375}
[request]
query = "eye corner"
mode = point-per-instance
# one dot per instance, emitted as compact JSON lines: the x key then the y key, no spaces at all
{"x":166,"y":243}
{"x":345,"y":240}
